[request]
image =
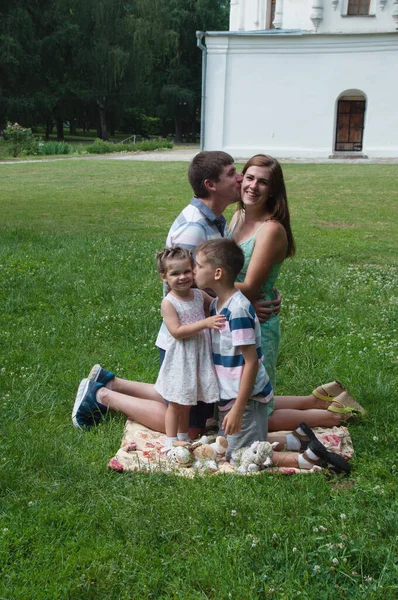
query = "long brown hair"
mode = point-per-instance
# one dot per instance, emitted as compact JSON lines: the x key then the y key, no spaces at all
{"x":277,"y":205}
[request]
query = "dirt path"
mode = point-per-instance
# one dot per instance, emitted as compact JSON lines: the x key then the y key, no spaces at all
{"x":186,"y":154}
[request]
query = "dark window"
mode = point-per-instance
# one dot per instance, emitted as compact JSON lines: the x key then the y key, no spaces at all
{"x":272,"y":14}
{"x":358,"y":7}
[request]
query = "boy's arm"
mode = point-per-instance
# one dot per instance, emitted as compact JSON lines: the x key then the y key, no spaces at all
{"x":232,"y":423}
{"x":182,"y":332}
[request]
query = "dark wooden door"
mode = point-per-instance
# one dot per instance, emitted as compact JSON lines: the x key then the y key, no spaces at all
{"x":350,"y":123}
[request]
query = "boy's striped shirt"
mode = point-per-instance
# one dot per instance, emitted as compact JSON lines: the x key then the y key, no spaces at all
{"x":241,"y":328}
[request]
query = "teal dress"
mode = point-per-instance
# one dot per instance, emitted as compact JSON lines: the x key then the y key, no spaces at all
{"x":270,"y":330}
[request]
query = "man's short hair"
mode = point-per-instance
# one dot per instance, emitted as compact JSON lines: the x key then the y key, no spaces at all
{"x":207,"y":165}
{"x":223,"y":253}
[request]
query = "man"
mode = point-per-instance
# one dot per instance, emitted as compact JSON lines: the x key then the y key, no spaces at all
{"x":216,"y":184}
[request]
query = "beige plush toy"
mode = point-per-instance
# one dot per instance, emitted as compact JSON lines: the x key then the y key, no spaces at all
{"x":214,"y":451}
{"x":254,"y":458}
{"x":180,"y":456}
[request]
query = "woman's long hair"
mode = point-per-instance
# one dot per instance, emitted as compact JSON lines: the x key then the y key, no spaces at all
{"x":277,"y":205}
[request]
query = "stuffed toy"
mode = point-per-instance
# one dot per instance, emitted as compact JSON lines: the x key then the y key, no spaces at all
{"x":180,"y":456}
{"x":254,"y":458}
{"x":214,"y":451}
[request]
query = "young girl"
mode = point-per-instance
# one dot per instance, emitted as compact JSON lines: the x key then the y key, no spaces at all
{"x":187,"y":373}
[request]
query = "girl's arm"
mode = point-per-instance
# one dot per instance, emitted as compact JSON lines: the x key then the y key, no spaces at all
{"x":232,"y":423}
{"x":270,"y":248}
{"x":182,"y":332}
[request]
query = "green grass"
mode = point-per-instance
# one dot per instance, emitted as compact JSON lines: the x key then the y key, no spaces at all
{"x":78,"y":285}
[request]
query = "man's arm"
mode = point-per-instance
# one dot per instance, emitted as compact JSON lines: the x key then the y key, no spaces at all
{"x":266,"y":308}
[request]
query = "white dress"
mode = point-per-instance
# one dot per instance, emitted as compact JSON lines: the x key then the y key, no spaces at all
{"x":187,"y":375}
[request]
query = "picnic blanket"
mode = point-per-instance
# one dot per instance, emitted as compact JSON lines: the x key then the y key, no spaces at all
{"x":143,"y":450}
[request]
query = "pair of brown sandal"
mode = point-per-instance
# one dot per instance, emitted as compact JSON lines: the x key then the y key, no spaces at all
{"x":335,"y":392}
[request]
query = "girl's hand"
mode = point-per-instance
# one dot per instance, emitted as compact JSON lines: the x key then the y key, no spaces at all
{"x":232,"y":422}
{"x":216,"y":322}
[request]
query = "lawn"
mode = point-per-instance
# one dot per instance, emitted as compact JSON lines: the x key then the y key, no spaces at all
{"x":78,"y":285}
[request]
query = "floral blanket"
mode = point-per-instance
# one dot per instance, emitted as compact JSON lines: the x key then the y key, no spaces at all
{"x":143,"y":450}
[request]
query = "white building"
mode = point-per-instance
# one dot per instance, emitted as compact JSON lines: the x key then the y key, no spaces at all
{"x":303,"y":78}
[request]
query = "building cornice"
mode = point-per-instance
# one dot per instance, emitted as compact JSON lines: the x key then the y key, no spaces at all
{"x":303,"y":43}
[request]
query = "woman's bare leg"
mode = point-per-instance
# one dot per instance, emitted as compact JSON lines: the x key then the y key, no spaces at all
{"x":285,"y":459}
{"x":301,"y":402}
{"x":289,"y":419}
{"x":137,"y":389}
{"x":149,"y":411}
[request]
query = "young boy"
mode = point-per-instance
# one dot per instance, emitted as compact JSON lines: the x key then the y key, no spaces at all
{"x":245,"y":389}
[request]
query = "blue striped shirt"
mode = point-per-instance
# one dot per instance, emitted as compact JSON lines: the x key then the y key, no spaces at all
{"x":242,"y":328}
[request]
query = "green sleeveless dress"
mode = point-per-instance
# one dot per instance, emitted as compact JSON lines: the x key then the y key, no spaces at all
{"x":270,"y":330}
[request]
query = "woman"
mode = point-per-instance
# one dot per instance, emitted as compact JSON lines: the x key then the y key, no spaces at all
{"x":261,"y":226}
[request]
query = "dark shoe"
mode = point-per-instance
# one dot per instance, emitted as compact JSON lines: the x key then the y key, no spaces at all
{"x":327,"y":459}
{"x":99,"y":374}
{"x":87,"y":411}
{"x":304,"y":439}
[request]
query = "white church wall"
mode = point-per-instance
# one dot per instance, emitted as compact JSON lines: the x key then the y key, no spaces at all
{"x":278,"y":94}
{"x":253,"y":15}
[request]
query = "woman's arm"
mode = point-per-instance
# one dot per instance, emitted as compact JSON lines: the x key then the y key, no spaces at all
{"x":182,"y":332}
{"x":270,"y":248}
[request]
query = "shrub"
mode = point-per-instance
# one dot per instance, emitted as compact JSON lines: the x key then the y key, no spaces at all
{"x":102,"y":147}
{"x":20,"y":140}
{"x":56,"y":148}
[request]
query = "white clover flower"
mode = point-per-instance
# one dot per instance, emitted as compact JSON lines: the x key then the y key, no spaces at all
{"x":323,"y":529}
{"x":5,"y":531}
{"x":335,"y":561}
{"x":368,"y":579}
{"x":233,"y":513}
{"x":343,"y":516}
{"x":375,"y":438}
{"x":294,"y":550}
{"x":317,"y":568}
{"x":274,"y":536}
{"x":315,"y":529}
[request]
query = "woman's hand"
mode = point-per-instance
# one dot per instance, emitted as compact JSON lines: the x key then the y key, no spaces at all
{"x":266,"y":308}
{"x":216,"y":322}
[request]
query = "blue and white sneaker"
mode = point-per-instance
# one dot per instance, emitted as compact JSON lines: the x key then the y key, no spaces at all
{"x":99,"y":374}
{"x":87,"y":411}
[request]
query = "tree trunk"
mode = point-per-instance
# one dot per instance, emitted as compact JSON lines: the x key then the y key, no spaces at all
{"x":178,"y":126}
{"x":49,"y":128}
{"x":73,"y":127}
{"x":60,"y":130}
{"x":102,"y":131}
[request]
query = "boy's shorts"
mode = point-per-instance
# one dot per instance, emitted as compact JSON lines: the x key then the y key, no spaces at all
{"x":198,"y":414}
{"x":254,"y":426}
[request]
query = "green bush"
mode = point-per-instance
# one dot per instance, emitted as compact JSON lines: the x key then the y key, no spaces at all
{"x":57,"y":148}
{"x":102,"y":147}
{"x":20,"y":140}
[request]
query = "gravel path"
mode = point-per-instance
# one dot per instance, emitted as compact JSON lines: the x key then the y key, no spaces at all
{"x":186,"y":154}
